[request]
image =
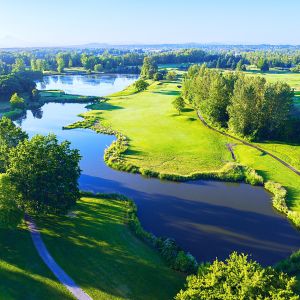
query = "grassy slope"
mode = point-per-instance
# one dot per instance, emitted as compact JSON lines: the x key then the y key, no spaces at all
{"x":161,"y":140}
{"x":23,"y":275}
{"x":104,"y":258}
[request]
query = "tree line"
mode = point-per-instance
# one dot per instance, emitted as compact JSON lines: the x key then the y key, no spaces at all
{"x":248,"y":106}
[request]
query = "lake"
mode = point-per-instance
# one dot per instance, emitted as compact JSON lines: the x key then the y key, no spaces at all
{"x":207,"y":218}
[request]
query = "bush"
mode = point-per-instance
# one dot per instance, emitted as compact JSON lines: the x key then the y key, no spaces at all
{"x":279,"y":196}
{"x":17,"y":102}
{"x":98,"y":68}
{"x":185,"y":262}
{"x":171,"y":75}
{"x":141,"y":85}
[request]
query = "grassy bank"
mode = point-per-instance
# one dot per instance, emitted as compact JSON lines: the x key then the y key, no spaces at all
{"x":23,"y":275}
{"x":103,"y":255}
{"x":160,"y":139}
{"x":153,"y":137}
{"x":46,"y":96}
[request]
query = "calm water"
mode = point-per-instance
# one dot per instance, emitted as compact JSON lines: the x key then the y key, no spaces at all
{"x":209,"y":219}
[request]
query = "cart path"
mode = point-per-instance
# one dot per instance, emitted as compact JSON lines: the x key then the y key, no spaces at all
{"x":248,"y":144}
{"x":43,"y":252}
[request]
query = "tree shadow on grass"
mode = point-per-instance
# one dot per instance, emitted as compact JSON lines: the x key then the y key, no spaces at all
{"x":109,"y":106}
{"x":170,"y":93}
{"x":186,"y":109}
{"x":112,"y":256}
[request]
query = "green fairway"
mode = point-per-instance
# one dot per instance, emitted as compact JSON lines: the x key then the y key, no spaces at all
{"x":100,"y":253}
{"x":23,"y":275}
{"x":293,"y":79}
{"x":160,"y":139}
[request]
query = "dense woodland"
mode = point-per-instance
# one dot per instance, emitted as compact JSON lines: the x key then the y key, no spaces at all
{"x":130,"y":61}
{"x":246,"y":105}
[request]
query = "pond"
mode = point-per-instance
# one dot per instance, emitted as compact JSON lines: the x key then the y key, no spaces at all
{"x":207,"y":218}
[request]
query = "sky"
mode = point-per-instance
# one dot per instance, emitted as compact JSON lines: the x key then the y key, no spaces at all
{"x":73,"y":22}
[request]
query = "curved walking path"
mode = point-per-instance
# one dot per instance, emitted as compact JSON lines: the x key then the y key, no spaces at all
{"x":64,"y":278}
{"x":248,"y":144}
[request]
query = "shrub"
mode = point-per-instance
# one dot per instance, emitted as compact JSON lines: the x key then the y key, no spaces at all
{"x":185,"y":262}
{"x":279,"y":196}
{"x":17,"y":102}
{"x":141,"y":85}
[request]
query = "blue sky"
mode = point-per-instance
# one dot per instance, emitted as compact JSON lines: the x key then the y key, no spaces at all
{"x":66,"y":22}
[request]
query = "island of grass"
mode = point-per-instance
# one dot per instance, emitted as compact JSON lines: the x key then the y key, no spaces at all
{"x":163,"y":142}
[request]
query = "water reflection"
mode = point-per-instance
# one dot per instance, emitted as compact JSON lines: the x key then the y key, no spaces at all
{"x":87,"y":85}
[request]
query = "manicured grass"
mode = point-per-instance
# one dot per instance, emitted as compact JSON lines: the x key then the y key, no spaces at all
{"x":23,"y":275}
{"x":160,"y":139}
{"x":271,"y":169}
{"x":61,"y":96}
{"x":98,"y":250}
{"x":293,"y":79}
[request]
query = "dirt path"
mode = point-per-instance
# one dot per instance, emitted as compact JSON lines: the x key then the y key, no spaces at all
{"x":248,"y":144}
{"x":64,"y":278}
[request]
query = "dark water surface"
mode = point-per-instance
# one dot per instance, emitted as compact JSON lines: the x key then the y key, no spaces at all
{"x":210,"y":219}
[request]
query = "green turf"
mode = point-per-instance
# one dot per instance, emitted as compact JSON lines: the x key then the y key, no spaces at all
{"x":293,"y":79}
{"x":23,"y":275}
{"x":101,"y":254}
{"x":160,"y":139}
{"x":271,"y":169}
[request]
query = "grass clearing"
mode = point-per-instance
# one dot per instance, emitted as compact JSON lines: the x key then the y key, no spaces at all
{"x":159,"y":138}
{"x":104,"y":258}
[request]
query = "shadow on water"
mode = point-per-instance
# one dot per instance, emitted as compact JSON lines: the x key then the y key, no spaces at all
{"x":207,"y":218}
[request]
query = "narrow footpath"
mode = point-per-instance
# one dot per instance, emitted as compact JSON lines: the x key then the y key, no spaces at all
{"x":43,"y":252}
{"x":248,"y":144}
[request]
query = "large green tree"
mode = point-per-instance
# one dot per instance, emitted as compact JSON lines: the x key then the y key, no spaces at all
{"x":149,"y":68}
{"x":238,"y":279}
{"x":10,"y":136}
{"x":45,"y":173}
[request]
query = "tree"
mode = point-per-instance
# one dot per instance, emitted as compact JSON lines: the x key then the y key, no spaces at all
{"x":98,"y":68}
{"x":257,"y":109}
{"x":18,"y":66}
{"x":158,"y":76}
{"x":141,"y":85}
{"x":171,"y":75}
{"x":240,"y":66}
{"x":10,"y":213}
{"x":60,"y":64}
{"x":45,"y":173}
{"x":17,"y":102}
{"x":35,"y":95}
{"x":238,"y":278}
{"x":263,"y":65}
{"x":214,"y":107}
{"x":179,"y":104}
{"x":149,"y":68}
{"x":10,"y":137}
